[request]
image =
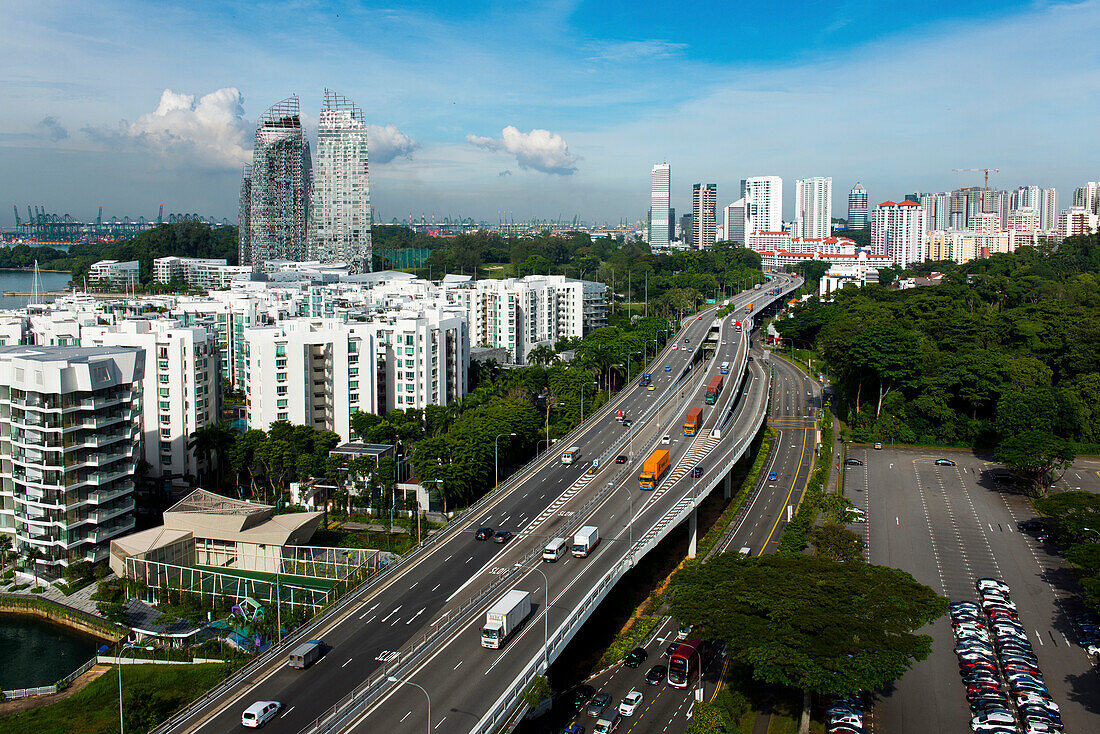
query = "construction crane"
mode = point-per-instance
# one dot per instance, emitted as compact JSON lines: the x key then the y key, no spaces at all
{"x":986,"y":171}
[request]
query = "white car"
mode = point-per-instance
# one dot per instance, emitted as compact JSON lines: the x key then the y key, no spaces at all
{"x":1035,"y":700}
{"x":997,"y":717}
{"x":1092,"y":649}
{"x":630,"y":703}
{"x":1040,"y":727}
{"x":992,"y":584}
{"x":665,"y":439}
{"x":847,"y":719}
{"x":260,"y":713}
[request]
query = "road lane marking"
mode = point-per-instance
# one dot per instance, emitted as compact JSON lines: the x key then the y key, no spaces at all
{"x":436,"y":587}
{"x":286,"y":712}
{"x":440,"y":723}
{"x":405,"y":717}
{"x":456,"y":667}
{"x":391,"y":613}
{"x":348,"y":661}
{"x":413,"y":617}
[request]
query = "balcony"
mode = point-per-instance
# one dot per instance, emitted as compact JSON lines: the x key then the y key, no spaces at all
{"x":101,"y":516}
{"x":98,"y":479}
{"x":104,"y":497}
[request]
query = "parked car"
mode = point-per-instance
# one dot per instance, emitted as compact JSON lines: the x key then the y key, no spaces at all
{"x":878,"y":446}
{"x":484,"y":533}
{"x":945,"y":462}
{"x":853,"y":462}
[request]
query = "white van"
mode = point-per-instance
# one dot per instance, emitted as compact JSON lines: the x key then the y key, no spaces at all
{"x":554,"y":550}
{"x":260,"y":713}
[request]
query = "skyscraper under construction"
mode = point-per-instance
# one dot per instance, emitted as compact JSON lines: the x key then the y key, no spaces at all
{"x":339,"y":213}
{"x":278,"y":189}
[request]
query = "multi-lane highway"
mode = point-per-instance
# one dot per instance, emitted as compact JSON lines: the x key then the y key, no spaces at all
{"x":433,"y":589}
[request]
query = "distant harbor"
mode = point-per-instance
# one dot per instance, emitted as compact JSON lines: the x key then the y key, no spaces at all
{"x":17,"y":286}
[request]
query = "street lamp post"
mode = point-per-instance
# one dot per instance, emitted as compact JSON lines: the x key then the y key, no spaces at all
{"x":545,"y":617}
{"x":127,"y":646}
{"x":582,"y":400}
{"x":496,"y":450}
{"x":395,"y":679}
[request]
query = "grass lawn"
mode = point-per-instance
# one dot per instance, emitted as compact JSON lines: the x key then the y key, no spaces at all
{"x":151,"y":693}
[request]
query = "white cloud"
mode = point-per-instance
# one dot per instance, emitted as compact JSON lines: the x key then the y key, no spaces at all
{"x":387,"y":143}
{"x":210,"y":133}
{"x":539,"y":150}
{"x":635,"y":51}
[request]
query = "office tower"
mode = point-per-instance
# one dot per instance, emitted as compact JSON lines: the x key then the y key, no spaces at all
{"x":937,"y":210}
{"x":744,"y":187}
{"x":763,"y":204}
{"x":659,"y":214}
{"x":671,"y":224}
{"x":857,"y":207}
{"x":685,"y":228}
{"x":704,"y":201}
{"x":181,"y":385}
{"x":735,"y":222}
{"x":279,"y":187}
{"x":244,"y":206}
{"x":813,"y":208}
{"x":897,"y":231}
{"x":70,"y":430}
{"x":339,"y":214}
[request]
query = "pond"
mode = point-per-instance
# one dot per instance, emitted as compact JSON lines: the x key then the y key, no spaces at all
{"x":36,"y":652}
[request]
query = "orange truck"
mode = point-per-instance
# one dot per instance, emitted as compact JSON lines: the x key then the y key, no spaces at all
{"x":748,"y":307}
{"x":653,"y":469}
{"x":692,"y":421}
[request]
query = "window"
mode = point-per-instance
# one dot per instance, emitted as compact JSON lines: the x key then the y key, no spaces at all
{"x":165,"y":405}
{"x":281,"y":416}
{"x":280,"y":390}
{"x":353,"y":384}
{"x":353,"y":371}
{"x":280,"y":404}
{"x":354,"y":397}
{"x":166,"y":433}
{"x":162,"y":379}
{"x":164,"y":392}
{"x":280,"y":350}
{"x":280,"y":364}
{"x":280,"y":376}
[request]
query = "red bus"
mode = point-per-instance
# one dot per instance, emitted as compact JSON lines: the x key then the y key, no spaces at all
{"x":684,"y":663}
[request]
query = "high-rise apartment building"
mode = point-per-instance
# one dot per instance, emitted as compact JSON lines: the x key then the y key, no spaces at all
{"x":704,"y":202}
{"x":897,"y":231}
{"x":735,"y":222}
{"x":180,"y":388}
{"x":70,"y":422}
{"x":1087,"y":197}
{"x":813,"y":208}
{"x":278,"y":187}
{"x":763,"y":204}
{"x":857,"y":208}
{"x":339,"y":219}
{"x":659,"y":206}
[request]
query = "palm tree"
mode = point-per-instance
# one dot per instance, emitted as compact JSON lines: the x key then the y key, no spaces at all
{"x":212,"y":442}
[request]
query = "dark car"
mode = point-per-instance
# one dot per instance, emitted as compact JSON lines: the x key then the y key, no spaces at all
{"x":636,"y":657}
{"x":945,"y":462}
{"x":668,"y":368}
{"x":853,"y":462}
{"x":671,"y":649}
{"x":656,"y":675}
{"x":484,"y":533}
{"x":697,"y":472}
{"x":620,"y":459}
{"x":598,"y":703}
{"x":502,"y":536}
{"x":627,"y":422}
{"x":582,"y":696}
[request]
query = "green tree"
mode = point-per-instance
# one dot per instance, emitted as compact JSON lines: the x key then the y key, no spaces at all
{"x":213,"y":442}
{"x":1039,"y":457}
{"x":709,"y":718}
{"x":809,"y":622}
{"x":837,"y":543}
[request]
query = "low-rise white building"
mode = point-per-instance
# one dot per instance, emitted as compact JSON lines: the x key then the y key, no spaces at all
{"x":199,"y":273}
{"x":116,"y":275}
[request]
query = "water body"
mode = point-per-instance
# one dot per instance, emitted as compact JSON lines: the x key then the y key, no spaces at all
{"x":36,"y":652}
{"x":23,"y":281}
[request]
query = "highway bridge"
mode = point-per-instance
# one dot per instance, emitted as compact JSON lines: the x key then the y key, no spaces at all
{"x":418,"y":624}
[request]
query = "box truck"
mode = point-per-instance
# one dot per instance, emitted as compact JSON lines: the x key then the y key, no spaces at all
{"x":653,"y":469}
{"x":304,"y":654}
{"x":714,"y":389}
{"x":504,"y":617}
{"x":692,"y":421}
{"x":584,"y":540}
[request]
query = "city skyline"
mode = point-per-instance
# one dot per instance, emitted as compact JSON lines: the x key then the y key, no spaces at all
{"x":497,"y":133}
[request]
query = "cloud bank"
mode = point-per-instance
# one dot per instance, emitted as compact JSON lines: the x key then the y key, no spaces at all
{"x":538,"y":150}
{"x":387,"y":143}
{"x":209,"y":133}
{"x":50,"y":128}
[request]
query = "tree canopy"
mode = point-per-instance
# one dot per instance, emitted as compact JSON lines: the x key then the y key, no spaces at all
{"x":809,"y":622}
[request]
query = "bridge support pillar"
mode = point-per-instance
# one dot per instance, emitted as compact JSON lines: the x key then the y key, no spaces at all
{"x":693,"y":533}
{"x":727,"y":485}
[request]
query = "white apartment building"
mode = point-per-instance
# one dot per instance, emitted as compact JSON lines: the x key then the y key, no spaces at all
{"x":69,"y":435}
{"x":199,"y":273}
{"x":318,"y":372}
{"x":772,"y":259}
{"x":860,"y":271}
{"x":117,"y":275}
{"x":813,"y":210}
{"x":660,"y":214}
{"x":763,"y":204}
{"x":777,"y":240}
{"x":1075,"y":221}
{"x":1024,"y":219}
{"x":1087,"y":197}
{"x":516,"y":314}
{"x":181,"y":387}
{"x":897,"y":231}
{"x":704,"y":200}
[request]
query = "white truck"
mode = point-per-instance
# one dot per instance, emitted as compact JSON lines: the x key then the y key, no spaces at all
{"x":584,"y":540}
{"x":504,"y":617}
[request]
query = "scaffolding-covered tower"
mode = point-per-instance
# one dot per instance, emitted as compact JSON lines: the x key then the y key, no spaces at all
{"x":339,"y":218}
{"x":244,"y":209}
{"x":279,"y":188}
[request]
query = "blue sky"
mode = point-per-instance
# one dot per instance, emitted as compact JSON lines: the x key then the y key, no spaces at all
{"x":546,"y":108}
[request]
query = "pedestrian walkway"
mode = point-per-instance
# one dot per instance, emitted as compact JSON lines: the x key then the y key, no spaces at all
{"x":79,"y":599}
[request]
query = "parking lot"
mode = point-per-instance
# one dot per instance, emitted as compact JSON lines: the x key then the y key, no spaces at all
{"x":949,"y":526}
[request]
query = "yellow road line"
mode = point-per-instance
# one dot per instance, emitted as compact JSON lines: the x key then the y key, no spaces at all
{"x":789,"y":493}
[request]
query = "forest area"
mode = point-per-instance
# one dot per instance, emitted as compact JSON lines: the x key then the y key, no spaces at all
{"x":1003,"y":355}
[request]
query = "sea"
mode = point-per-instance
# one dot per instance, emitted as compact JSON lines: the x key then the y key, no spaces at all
{"x":23,"y":281}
